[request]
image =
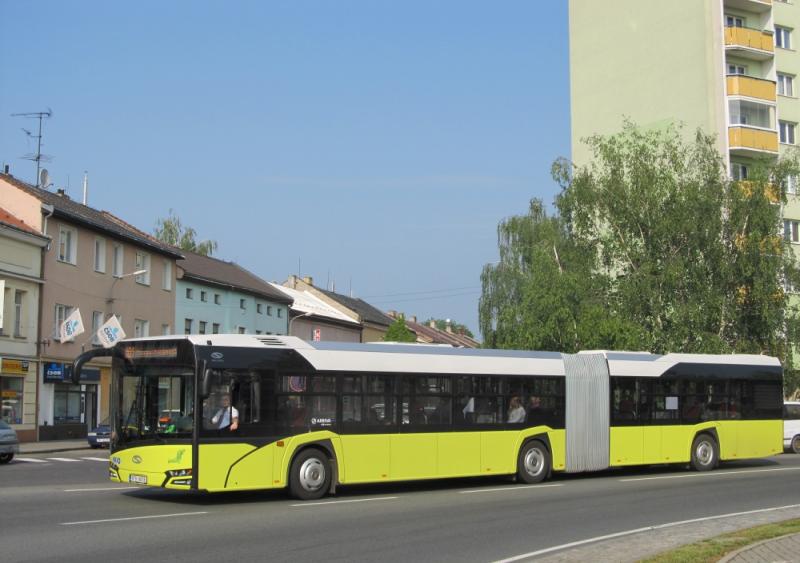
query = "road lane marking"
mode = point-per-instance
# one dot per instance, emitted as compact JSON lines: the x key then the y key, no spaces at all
{"x":99,"y":489}
{"x":511,"y":488}
{"x":341,"y":501}
{"x":105,"y":459}
{"x":710,"y":474}
{"x":133,"y":518}
{"x":30,"y":460}
{"x":640,"y":530}
{"x":62,"y":459}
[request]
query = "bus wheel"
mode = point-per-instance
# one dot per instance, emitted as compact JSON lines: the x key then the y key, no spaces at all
{"x":705,"y":453}
{"x":310,"y":475}
{"x":533,"y":464}
{"x":796,"y":444}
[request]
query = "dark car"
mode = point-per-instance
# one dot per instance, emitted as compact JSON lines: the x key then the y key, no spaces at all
{"x":9,"y":443}
{"x":100,"y":436}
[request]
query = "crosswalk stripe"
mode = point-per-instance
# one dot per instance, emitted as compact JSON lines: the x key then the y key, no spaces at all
{"x":29,"y":460}
{"x":104,"y":459}
{"x":62,"y":459}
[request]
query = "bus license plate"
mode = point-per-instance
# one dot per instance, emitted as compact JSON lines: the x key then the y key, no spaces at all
{"x":140,"y":479}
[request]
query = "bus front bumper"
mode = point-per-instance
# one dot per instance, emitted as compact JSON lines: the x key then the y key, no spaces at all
{"x":154,"y":466}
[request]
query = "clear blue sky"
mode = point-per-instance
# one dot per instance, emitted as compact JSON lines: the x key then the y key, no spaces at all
{"x":378,"y":141}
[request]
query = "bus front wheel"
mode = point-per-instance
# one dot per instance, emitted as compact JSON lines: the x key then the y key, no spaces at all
{"x":533,"y":464}
{"x":705,"y":453}
{"x":796,"y":444}
{"x":310,"y":475}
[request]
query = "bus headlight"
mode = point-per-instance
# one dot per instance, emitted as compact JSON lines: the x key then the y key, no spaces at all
{"x":179,"y":473}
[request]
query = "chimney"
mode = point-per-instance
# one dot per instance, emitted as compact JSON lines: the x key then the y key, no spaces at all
{"x":292,"y":282}
{"x":392,"y":313}
{"x":85,"y":187}
{"x":309,"y":280}
{"x":61,"y":192}
{"x":432,"y":323}
{"x":448,"y":327}
{"x":412,"y":318}
{"x":5,"y":169}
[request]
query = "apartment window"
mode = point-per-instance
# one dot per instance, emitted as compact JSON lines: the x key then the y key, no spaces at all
{"x":202,"y":329}
{"x":166,"y":276}
{"x":97,"y":322}
{"x":19,"y":297}
{"x":783,"y":37}
{"x":187,"y":326}
{"x":215,"y":328}
{"x":269,"y":310}
{"x":242,"y":303}
{"x":258,"y":332}
{"x":143,"y":263}
{"x":203,"y":296}
{"x":737,"y":69}
{"x":241,"y":330}
{"x":67,"y":244}
{"x":100,"y":255}
{"x":61,"y":314}
{"x":786,"y":132}
{"x":785,"y":84}
{"x":734,"y":21}
{"x":189,"y":293}
{"x":791,"y":230}
{"x":118,"y":260}
{"x":739,"y":171}
{"x":259,"y":309}
{"x":141,"y":328}
{"x":744,"y":112}
{"x":791,"y":185}
{"x":165,"y":330}
{"x":280,"y":312}
{"x":217,"y":299}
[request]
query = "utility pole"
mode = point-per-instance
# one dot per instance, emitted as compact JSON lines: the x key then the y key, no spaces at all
{"x":38,"y":157}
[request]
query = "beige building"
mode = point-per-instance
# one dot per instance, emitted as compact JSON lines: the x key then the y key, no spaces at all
{"x":102,"y":266}
{"x":21,"y":248}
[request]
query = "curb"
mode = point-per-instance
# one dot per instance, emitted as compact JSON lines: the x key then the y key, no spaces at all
{"x":741,"y":550}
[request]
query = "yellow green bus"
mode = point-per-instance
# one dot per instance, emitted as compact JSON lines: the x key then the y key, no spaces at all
{"x":245,"y":412}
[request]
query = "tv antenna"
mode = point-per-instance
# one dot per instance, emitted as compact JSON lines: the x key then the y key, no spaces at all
{"x":37,"y":157}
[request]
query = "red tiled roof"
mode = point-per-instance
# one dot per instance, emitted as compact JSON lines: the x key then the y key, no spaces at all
{"x":13,"y":221}
{"x":436,"y":336}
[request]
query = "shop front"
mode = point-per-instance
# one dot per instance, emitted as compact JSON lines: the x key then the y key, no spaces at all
{"x":18,"y":396}
{"x":68,"y":411}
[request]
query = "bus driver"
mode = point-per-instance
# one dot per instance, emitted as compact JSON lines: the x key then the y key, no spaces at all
{"x":227,"y":415}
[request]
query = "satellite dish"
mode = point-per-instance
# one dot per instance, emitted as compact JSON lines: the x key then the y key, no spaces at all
{"x":44,"y":178}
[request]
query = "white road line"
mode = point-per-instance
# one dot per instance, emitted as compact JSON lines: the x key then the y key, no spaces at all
{"x":105,"y":459}
{"x":639,"y":530}
{"x":30,"y":460}
{"x":99,"y":489}
{"x":710,"y":474}
{"x":62,"y":459}
{"x":511,"y":488}
{"x":299,"y":505}
{"x":132,"y":518}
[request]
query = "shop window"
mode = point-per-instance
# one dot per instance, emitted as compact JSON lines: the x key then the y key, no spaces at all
{"x":67,"y":404}
{"x":11,"y":391}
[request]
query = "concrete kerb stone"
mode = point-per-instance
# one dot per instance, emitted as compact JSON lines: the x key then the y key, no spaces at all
{"x":749,"y":553}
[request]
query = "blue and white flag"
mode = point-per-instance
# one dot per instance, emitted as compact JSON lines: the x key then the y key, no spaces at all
{"x":111,"y":332}
{"x":71,"y":327}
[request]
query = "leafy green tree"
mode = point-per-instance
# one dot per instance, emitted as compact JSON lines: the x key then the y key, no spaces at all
{"x":171,"y":231}
{"x":441,"y":324}
{"x":652,"y":247}
{"x":399,"y":332}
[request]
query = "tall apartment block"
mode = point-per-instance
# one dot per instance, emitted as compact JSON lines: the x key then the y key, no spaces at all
{"x":730,"y":67}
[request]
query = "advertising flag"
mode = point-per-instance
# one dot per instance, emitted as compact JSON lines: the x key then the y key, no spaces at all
{"x":71,"y":327}
{"x":111,"y":332}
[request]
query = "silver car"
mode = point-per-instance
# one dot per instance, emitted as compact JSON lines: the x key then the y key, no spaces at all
{"x":9,"y":443}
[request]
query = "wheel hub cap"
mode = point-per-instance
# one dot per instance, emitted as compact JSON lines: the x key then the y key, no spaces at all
{"x":534,"y":462}
{"x":705,"y":453}
{"x":312,"y":474}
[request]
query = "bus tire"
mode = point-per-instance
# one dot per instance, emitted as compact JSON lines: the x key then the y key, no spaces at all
{"x":310,"y":475}
{"x":533,"y":463}
{"x":705,"y":452}
{"x":795,"y":445}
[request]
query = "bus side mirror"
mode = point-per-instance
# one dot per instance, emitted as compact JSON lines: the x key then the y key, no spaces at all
{"x":205,"y":384}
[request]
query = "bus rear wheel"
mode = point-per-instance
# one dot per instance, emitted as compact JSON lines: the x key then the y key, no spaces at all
{"x":705,"y":453}
{"x":796,"y":444}
{"x":310,"y":475}
{"x":533,"y":464}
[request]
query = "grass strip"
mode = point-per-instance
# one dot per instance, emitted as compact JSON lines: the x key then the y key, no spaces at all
{"x":713,"y":549}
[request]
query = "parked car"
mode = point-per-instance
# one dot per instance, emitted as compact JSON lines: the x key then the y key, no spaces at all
{"x":100,"y":436}
{"x":791,"y":426}
{"x":9,"y":443}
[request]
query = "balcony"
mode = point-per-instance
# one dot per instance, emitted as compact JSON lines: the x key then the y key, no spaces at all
{"x":753,"y":44}
{"x":750,"y":87}
{"x":757,"y":6}
{"x":751,"y":142}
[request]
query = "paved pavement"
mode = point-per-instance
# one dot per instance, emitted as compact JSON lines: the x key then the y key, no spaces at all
{"x":66,"y":507}
{"x":778,"y":550}
{"x":53,"y":446}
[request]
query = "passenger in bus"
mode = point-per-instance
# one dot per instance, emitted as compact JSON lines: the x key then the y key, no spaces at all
{"x":227,"y":416}
{"x":534,"y":411}
{"x":516,"y":412}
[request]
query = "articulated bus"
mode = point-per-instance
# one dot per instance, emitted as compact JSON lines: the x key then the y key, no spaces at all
{"x":245,"y":412}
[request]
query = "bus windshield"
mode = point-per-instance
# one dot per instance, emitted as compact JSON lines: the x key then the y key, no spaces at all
{"x":156,"y":402}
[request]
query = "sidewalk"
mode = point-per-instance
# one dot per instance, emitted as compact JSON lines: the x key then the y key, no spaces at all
{"x":784,"y":548}
{"x":53,"y":446}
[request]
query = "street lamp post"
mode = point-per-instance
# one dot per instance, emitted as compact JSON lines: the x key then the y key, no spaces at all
{"x":110,"y":299}
{"x":289,"y":331}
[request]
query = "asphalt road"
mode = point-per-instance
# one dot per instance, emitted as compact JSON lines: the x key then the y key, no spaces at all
{"x":62,"y":507}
